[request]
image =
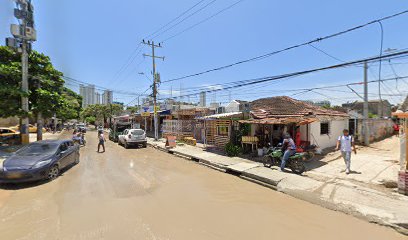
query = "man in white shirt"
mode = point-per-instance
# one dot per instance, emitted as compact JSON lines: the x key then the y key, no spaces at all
{"x":345,"y":143}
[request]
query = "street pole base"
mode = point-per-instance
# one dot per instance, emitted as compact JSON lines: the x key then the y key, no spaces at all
{"x":25,"y":138}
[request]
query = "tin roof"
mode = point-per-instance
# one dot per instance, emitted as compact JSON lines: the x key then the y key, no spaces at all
{"x":222,"y":115}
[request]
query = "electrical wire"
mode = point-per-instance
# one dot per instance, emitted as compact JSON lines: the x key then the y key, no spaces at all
{"x":78,"y":82}
{"x":202,"y":21}
{"x":173,"y":20}
{"x":283,"y":76}
{"x":182,"y":20}
{"x":287,"y":49}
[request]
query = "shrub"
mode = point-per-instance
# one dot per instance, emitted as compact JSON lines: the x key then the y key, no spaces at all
{"x":232,"y":150}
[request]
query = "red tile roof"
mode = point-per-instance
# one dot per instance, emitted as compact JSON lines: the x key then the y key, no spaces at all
{"x":286,"y":107}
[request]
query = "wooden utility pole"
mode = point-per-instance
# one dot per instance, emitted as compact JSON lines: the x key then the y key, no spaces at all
{"x":155,"y":82}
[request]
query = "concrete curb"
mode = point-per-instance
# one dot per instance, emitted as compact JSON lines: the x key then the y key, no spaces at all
{"x":286,"y":184}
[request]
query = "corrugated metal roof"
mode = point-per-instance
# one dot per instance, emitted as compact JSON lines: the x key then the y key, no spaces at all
{"x":222,"y":115}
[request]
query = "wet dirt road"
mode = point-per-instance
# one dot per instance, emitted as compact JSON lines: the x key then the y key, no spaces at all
{"x":148,"y":194}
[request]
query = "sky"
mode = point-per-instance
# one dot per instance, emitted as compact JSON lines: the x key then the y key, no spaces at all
{"x":98,"y":42}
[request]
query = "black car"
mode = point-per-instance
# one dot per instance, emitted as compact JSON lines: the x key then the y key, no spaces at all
{"x":42,"y":160}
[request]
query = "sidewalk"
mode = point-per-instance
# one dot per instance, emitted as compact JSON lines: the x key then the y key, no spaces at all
{"x":375,"y":166}
{"x":46,"y":136}
{"x":324,"y":185}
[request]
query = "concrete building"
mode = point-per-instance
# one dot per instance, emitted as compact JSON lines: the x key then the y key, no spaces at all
{"x":107,"y":97}
{"x":97,"y":98}
{"x":271,"y":117}
{"x":373,"y":107}
{"x":88,"y":95}
{"x":237,"y":106}
{"x":203,"y":99}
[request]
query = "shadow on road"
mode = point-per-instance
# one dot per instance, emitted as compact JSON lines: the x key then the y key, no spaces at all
{"x":25,"y":185}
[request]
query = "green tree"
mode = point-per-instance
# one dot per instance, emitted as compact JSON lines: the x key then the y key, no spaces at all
{"x":47,"y":93}
{"x":132,"y":110}
{"x":102,"y":112}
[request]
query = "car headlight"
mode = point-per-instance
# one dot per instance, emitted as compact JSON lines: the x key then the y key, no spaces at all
{"x":42,"y":163}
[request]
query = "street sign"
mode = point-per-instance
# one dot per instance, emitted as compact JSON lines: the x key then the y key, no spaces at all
{"x":12,"y":42}
{"x":145,"y":114}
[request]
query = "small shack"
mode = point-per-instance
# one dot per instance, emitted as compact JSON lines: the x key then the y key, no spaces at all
{"x":306,"y":123}
{"x":218,"y":128}
{"x":182,"y":123}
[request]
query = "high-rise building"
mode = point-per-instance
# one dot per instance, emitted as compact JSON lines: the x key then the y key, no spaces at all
{"x":203,"y":99}
{"x":107,"y":97}
{"x":98,"y":98}
{"x":88,"y":95}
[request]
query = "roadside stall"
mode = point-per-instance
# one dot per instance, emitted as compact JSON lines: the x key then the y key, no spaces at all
{"x":218,"y":128}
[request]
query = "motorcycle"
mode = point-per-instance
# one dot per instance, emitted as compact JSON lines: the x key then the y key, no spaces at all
{"x":79,"y":139}
{"x":274,"y":157}
{"x":308,"y":151}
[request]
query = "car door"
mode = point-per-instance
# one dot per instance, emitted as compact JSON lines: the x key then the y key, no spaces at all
{"x":72,"y":151}
{"x":122,"y":137}
{"x":63,"y":155}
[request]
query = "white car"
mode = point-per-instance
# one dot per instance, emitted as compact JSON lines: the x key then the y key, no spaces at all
{"x":133,"y":137}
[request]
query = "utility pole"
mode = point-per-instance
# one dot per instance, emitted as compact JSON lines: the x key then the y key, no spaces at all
{"x":155,"y":82}
{"x":365,"y":109}
{"x":24,"y":34}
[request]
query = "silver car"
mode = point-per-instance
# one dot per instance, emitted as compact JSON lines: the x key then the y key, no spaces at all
{"x":132,"y":137}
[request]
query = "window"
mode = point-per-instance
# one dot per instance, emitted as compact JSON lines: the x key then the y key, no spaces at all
{"x":324,"y":128}
{"x":223,"y":130}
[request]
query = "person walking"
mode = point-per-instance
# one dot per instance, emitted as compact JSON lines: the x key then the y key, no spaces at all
{"x":102,"y":141}
{"x":290,"y":147}
{"x":345,"y":144}
{"x":396,"y":129}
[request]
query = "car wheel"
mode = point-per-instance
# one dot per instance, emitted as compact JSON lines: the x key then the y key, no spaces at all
{"x":53,"y":173}
{"x":126,"y":145}
{"x":145,"y":145}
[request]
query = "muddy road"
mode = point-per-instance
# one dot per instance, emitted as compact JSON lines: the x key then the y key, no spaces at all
{"x":148,"y":194}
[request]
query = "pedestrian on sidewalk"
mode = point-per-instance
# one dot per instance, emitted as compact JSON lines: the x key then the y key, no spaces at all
{"x":396,"y":129}
{"x":102,"y":141}
{"x":345,"y":144}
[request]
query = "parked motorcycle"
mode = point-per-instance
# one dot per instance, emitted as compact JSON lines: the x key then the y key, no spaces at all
{"x":308,"y":151}
{"x":274,"y":158}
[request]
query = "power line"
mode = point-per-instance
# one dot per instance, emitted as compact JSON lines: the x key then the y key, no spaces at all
{"x":202,"y":21}
{"x":175,"y":19}
{"x":182,"y":20}
{"x":78,"y":82}
{"x":283,"y":76}
{"x":288,"y":48}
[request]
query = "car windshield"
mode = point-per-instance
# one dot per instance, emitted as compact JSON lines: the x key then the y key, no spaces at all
{"x":137,"y":132}
{"x":38,"y":149}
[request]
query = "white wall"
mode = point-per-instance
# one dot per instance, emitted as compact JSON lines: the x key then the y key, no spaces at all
{"x":233,"y":106}
{"x":327,"y":140}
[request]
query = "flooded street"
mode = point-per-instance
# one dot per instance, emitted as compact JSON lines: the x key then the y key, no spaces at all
{"x":148,"y":194}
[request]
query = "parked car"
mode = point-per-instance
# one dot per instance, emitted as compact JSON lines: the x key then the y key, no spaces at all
{"x":81,"y":128}
{"x":132,"y":137}
{"x":31,"y":128}
{"x":42,"y":160}
{"x":9,"y":136}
